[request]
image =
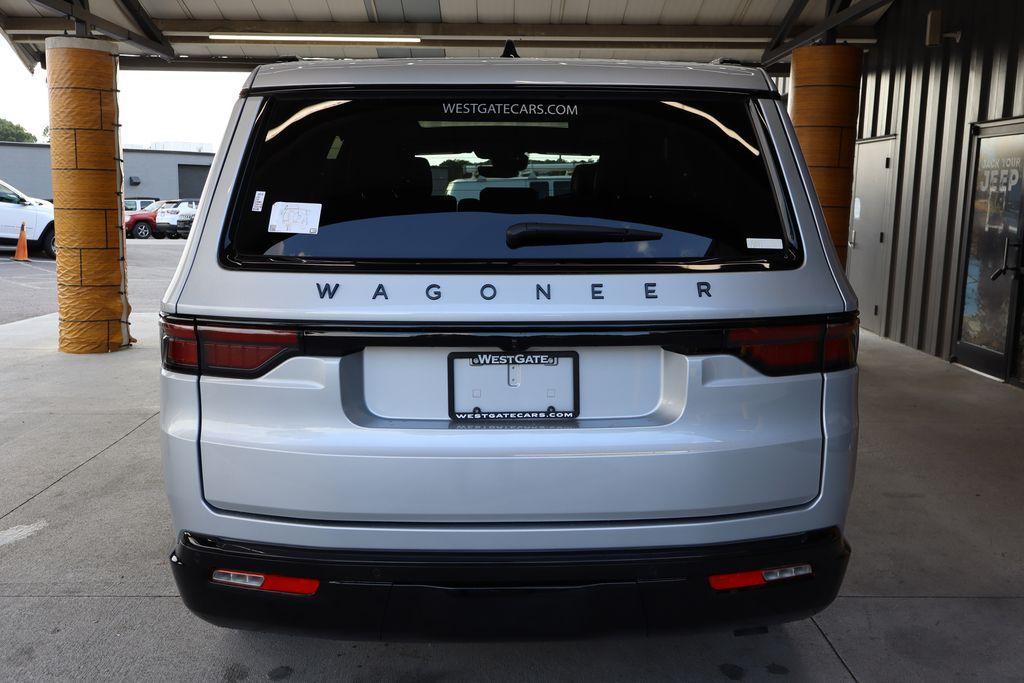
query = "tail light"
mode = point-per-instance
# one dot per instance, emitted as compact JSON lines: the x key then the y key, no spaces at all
{"x":758,"y":577}
{"x":267,"y":582}
{"x":794,"y":349}
{"x":179,"y":346}
{"x":841,"y":341}
{"x":773,"y":349}
{"x":228,"y":351}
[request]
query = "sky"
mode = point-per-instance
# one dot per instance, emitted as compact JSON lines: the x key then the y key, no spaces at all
{"x":156,"y":106}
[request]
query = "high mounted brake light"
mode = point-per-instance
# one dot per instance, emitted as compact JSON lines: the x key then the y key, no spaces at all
{"x":228,"y":351}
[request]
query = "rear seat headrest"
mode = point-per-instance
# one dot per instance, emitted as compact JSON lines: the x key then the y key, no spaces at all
{"x":402,"y":177}
{"x":507,"y":198}
{"x":583,"y":180}
{"x":414,"y":178}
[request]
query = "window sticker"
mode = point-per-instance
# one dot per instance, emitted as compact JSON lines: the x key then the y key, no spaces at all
{"x":257,"y":201}
{"x":294,"y":217}
{"x":763,"y":243}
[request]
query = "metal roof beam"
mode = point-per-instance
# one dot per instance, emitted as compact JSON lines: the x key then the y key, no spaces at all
{"x":107,"y":28}
{"x":602,"y":32}
{"x":832,"y":22}
{"x":140,"y":16}
{"x":198,"y":63}
{"x":724,"y":47}
{"x":796,"y":8}
{"x":25,"y":53}
{"x":497,"y":43}
{"x":207,"y":63}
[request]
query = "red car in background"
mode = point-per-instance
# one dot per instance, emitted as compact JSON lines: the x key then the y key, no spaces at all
{"x":142,"y":224}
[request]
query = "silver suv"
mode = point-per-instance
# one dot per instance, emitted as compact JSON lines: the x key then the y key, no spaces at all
{"x":390,"y":412}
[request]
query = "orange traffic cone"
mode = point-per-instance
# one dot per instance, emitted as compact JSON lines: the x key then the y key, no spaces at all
{"x":21,"y":251}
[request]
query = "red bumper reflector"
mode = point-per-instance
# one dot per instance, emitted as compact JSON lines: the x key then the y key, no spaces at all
{"x":758,"y":577}
{"x":724,"y":582}
{"x":267,"y":582}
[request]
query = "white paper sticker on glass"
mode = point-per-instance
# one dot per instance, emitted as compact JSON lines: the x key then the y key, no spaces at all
{"x":763,"y":243}
{"x":295,"y":217}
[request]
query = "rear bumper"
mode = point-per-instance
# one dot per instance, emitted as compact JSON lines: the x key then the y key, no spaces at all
{"x":481,"y":595}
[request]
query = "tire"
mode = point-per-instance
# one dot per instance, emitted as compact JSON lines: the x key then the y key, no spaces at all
{"x":159,"y":235}
{"x":142,"y":230}
{"x":47,"y":243}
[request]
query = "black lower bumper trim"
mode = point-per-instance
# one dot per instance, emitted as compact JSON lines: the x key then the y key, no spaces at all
{"x":429,"y":595}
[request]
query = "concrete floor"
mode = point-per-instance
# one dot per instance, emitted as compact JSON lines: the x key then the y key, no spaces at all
{"x":934,"y":590}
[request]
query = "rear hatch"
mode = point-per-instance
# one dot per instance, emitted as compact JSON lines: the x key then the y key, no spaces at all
{"x":623,"y":322}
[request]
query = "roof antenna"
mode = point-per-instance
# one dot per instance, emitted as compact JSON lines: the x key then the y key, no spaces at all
{"x":510,"y":50}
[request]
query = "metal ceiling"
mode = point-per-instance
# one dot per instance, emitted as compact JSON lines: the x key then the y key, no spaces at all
{"x":176,"y":33}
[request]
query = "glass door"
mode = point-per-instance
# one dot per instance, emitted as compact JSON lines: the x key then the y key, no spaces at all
{"x":988,"y":337}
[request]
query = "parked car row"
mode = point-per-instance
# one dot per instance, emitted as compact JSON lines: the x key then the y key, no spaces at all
{"x":165,"y":218}
{"x":144,"y":217}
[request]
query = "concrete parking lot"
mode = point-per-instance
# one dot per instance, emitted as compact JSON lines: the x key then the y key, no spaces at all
{"x":933,"y":590}
{"x":30,"y":289}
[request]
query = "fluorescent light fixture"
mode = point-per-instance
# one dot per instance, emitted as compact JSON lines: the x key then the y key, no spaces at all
{"x":295,"y":38}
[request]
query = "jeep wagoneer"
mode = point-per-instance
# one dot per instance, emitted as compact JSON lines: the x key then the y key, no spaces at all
{"x":391,"y":412}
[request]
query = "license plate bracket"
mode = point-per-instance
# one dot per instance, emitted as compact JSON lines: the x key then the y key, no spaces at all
{"x":520,"y":386}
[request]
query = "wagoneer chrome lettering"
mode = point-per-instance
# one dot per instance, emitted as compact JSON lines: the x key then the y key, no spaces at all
{"x":566,"y":332}
{"x":488,"y":292}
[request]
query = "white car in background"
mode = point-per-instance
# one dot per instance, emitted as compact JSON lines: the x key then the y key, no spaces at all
{"x":137,"y":204}
{"x":168,"y":215}
{"x":17,"y":208}
{"x":542,"y":186}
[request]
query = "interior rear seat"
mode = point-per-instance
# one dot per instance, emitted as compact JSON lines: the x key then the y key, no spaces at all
{"x":385,"y":185}
{"x":508,"y":199}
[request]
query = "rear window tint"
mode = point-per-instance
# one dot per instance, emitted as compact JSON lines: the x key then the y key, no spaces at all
{"x":371,"y":180}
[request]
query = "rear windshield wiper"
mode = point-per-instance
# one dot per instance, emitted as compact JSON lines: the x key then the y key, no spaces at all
{"x":543,"y":234}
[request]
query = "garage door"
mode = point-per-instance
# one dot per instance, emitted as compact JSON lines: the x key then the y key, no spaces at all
{"x":191,"y":178}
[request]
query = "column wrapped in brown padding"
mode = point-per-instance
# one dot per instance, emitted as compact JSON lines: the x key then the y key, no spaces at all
{"x":92,"y":295}
{"x":823,"y":103}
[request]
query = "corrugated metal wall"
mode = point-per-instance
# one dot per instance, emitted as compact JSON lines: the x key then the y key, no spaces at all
{"x":929,"y":97}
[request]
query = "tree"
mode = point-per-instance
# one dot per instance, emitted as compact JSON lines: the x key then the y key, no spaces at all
{"x":456,"y":167}
{"x":12,"y":132}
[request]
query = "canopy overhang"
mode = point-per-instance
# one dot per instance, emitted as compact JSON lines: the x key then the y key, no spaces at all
{"x":228,"y":35}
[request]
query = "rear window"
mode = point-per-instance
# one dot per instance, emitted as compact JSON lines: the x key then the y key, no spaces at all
{"x":408,"y":181}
